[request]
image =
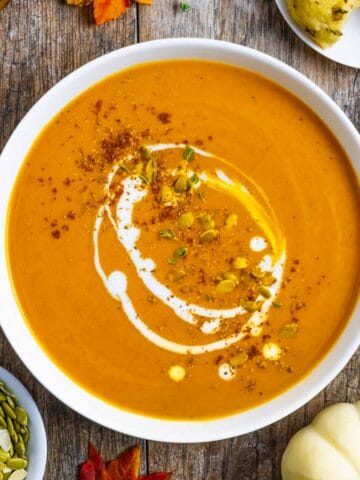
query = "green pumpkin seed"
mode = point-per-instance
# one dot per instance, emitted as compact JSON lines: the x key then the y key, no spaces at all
{"x":2,"y":397}
{"x":268,"y":279}
{"x":225,"y":286}
{"x":231,"y":276}
{"x":257,"y":272}
{"x":167,"y":233}
{"x":2,"y":422}
{"x":239,"y":359}
{"x":240,"y":263}
{"x":20,"y":449}
{"x":231,"y":220}
{"x":18,"y":475}
{"x":207,"y":222}
{"x":181,"y":252}
{"x":10,"y":401}
{"x":4,"y":456}
{"x":16,"y":463}
{"x":189,"y":154}
{"x":10,"y":426}
{"x":151,"y":170}
{"x":145,"y":153}
{"x":26,"y":435}
{"x":185,"y":220}
{"x":264,"y":291}
{"x":2,"y":413}
{"x":250,"y":306}
{"x":182,"y":184}
{"x":9,"y":411}
{"x":208,"y":236}
{"x":176,"y":274}
{"x":21,"y":416}
{"x":289,"y":330}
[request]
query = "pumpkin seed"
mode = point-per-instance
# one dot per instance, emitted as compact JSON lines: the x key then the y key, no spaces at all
{"x":208,"y":236}
{"x":181,"y":252}
{"x":20,"y":449}
{"x":189,"y":154}
{"x":240,"y":263}
{"x":21,"y":416}
{"x":250,"y":306}
{"x":277,"y":304}
{"x":182,"y":184}
{"x":225,"y":286}
{"x":4,"y":456}
{"x":151,"y":169}
{"x":185,"y":220}
{"x":2,"y":413}
{"x":2,"y":397}
{"x":231,"y":276}
{"x":9,"y":411}
{"x":231,"y":220}
{"x":26,"y":435}
{"x":145,"y":153}
{"x":16,"y":463}
{"x":167,"y":233}
{"x":10,"y":401}
{"x":10,"y":426}
{"x":289,"y":330}
{"x":2,"y":422}
{"x":268,"y":279}
{"x":264,"y":291}
{"x":18,"y":475}
{"x":207,"y":222}
{"x":239,"y":359}
{"x":257,"y":272}
{"x":176,"y":274}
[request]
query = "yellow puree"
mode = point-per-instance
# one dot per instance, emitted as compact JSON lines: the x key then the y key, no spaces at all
{"x":261,"y":130}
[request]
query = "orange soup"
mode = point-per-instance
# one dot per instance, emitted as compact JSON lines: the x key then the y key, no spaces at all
{"x":183,"y":239}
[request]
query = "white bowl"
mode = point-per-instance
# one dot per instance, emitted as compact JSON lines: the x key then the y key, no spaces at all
{"x":346,"y":51}
{"x":37,"y":448}
{"x":11,"y":320}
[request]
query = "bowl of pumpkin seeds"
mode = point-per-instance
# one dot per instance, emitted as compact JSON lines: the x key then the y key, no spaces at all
{"x":23,"y":446}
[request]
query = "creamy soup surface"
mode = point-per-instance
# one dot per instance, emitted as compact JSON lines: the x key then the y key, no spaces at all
{"x":184,"y":238}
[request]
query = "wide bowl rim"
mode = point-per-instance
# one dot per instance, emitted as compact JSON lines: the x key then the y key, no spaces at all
{"x":25,"y":344}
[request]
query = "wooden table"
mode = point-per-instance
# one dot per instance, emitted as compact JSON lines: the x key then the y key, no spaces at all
{"x":43,"y":40}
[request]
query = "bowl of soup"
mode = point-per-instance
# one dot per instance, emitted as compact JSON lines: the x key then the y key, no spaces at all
{"x":180,"y":231}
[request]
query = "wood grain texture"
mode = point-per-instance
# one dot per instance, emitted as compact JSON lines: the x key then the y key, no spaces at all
{"x":43,"y":40}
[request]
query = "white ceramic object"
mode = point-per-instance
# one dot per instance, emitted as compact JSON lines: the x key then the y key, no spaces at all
{"x":10,"y":317}
{"x":346,"y":51}
{"x":37,"y":448}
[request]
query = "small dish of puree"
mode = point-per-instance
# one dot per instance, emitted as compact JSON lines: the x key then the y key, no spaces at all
{"x":183,"y":241}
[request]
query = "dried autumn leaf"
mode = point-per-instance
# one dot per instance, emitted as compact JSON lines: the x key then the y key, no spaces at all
{"x":95,"y":459}
{"x":129,"y":464}
{"x":112,"y":470}
{"x":87,"y":471}
{"x":144,"y":2}
{"x":107,"y":10}
{"x":3,"y":3}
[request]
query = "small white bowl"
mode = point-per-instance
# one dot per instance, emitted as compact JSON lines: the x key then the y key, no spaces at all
{"x":346,"y":51}
{"x":20,"y":336}
{"x":37,"y":447}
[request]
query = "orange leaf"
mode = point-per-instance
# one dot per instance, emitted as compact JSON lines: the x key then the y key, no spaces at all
{"x":145,"y":2}
{"x":128,"y":464}
{"x":107,"y":10}
{"x":112,"y":470}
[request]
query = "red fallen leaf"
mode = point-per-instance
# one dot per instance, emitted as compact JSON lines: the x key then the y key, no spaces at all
{"x":87,"y":471}
{"x":107,"y":10}
{"x":157,"y":476}
{"x":112,"y":470}
{"x":96,"y":459}
{"x":129,"y":464}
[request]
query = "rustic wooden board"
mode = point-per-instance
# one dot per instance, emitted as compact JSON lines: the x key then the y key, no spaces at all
{"x":43,"y":40}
